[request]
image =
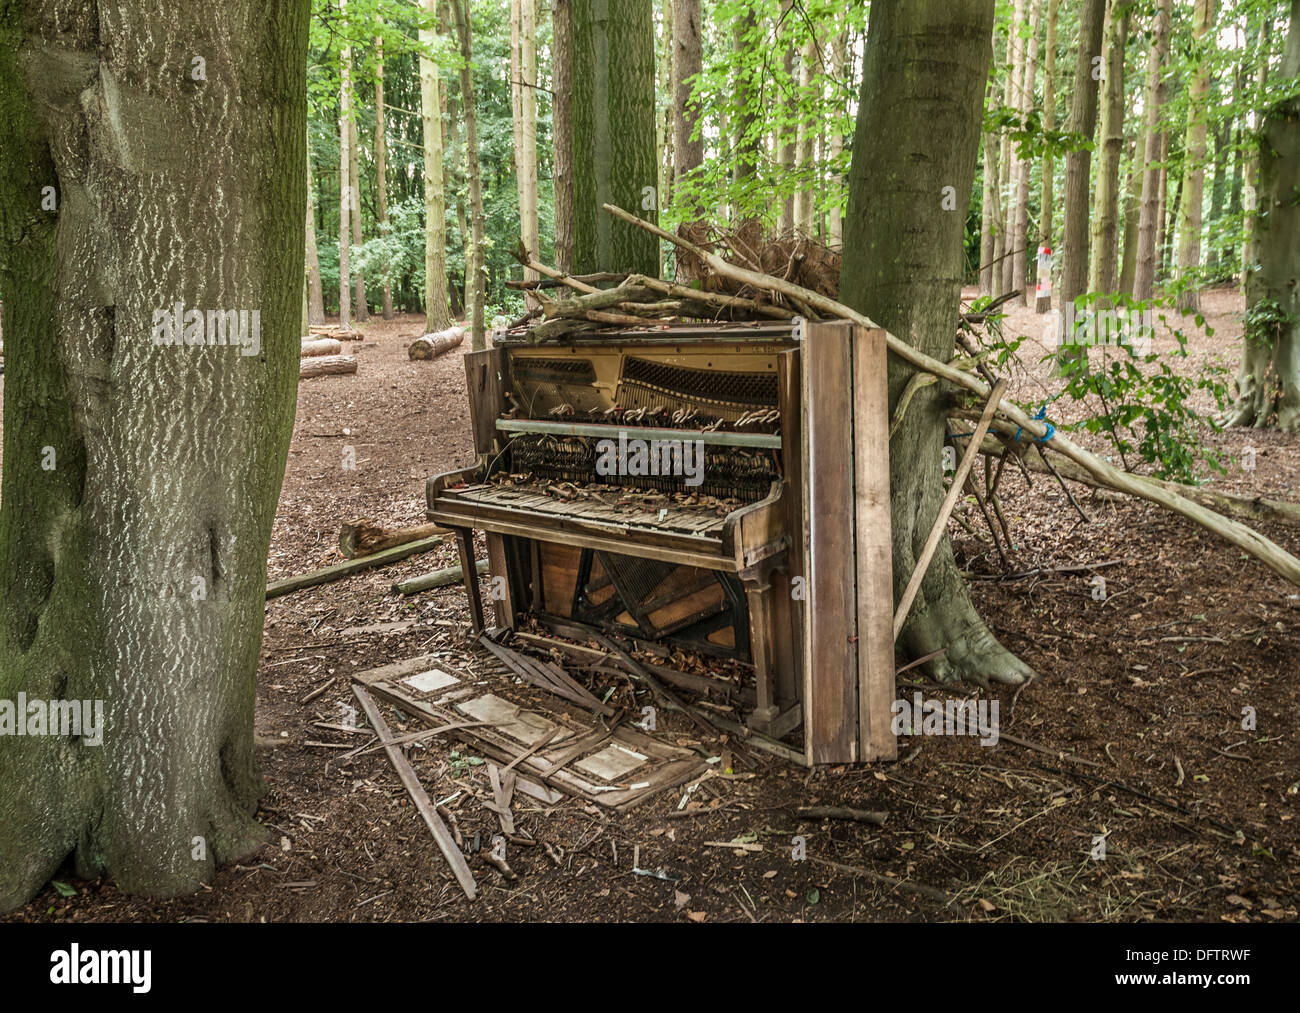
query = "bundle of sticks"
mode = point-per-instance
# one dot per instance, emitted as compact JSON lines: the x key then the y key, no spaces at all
{"x":639,"y":301}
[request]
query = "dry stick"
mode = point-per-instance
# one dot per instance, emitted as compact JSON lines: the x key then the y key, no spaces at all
{"x":1265,"y":550}
{"x":836,"y":812}
{"x":441,"y":835}
{"x":949,"y":501}
{"x":899,"y":884}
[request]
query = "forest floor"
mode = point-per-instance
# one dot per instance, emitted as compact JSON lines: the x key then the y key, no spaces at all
{"x":1143,"y":690}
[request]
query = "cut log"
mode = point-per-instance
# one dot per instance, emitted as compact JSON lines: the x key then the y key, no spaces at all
{"x":348,"y":567}
{"x":438,"y":578}
{"x":326,"y":365}
{"x":320,"y":346}
{"x":361,"y":538}
{"x":336,"y":332}
{"x":432,"y":345}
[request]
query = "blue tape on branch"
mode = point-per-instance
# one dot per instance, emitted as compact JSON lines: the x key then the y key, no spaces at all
{"x":1041,"y":416}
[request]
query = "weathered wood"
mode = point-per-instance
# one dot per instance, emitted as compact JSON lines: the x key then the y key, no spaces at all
{"x":326,"y":365}
{"x":348,"y":567}
{"x":438,"y":578}
{"x":320,"y":346}
{"x":836,"y":812}
{"x":441,"y":835}
{"x":503,"y":608}
{"x":465,"y":545}
{"x":485,"y":384}
{"x":830,"y":659}
{"x":874,"y":552}
{"x":430,"y":346}
{"x":361,"y":538}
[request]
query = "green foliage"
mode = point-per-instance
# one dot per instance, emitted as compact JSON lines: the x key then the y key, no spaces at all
{"x":1146,"y":406}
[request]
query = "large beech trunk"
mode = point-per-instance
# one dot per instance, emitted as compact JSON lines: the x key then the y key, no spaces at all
{"x":903,"y":264}
{"x":140,"y":479}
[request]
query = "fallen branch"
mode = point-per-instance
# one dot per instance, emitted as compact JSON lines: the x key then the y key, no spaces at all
{"x":835,"y":812}
{"x":441,"y":835}
{"x":1266,"y":551}
{"x":361,"y":538}
{"x":347,"y":568}
{"x":438,"y":578}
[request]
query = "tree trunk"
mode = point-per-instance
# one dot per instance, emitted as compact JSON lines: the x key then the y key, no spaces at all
{"x":1025,"y":103}
{"x":315,"y":290}
{"x":437,"y":313}
{"x":528,"y":129}
{"x":1144,"y":270}
{"x":1250,"y":198}
{"x":326,"y":365}
{"x":1189,"y":222}
{"x":835,"y":144}
{"x":1007,"y":164}
{"x":1269,"y":379}
{"x":347,"y":193}
{"x":1162,"y":208}
{"x":475,"y":292}
{"x":381,"y":163}
{"x":989,"y":198}
{"x":358,"y":279}
{"x":805,"y":139}
{"x":749,"y":138}
{"x":1102,"y":272}
{"x":613,"y":135}
{"x":903,"y":265}
{"x":785,"y":132}
{"x":1132,"y":211}
{"x":688,"y":61}
{"x":1078,"y":209}
{"x":562,"y":131}
{"x":1044,"y":305}
{"x":141,"y":478}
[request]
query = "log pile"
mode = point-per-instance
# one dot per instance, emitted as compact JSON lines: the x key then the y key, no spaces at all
{"x":320,"y":346}
{"x":433,"y":345}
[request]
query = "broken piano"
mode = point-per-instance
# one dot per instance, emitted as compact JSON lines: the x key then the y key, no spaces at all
{"x":652,"y":484}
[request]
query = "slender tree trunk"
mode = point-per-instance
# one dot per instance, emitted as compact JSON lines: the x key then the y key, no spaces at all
{"x":665,"y":137}
{"x":785,"y":133}
{"x":1250,"y":199}
{"x":381,"y":163}
{"x":688,"y":61}
{"x":1132,"y":212}
{"x":1219,"y":193}
{"x":989,"y":216}
{"x":749,"y":138}
{"x":141,"y":477}
{"x":1189,"y":223}
{"x":1044,"y":304}
{"x":903,"y":265}
{"x":1024,"y":103}
{"x":1083,"y":120}
{"x":475,"y":293}
{"x":1007,"y":183}
{"x":805,"y":154}
{"x":437,"y":312}
{"x":562,"y":130}
{"x":528,"y":128}
{"x":1102,"y":267}
{"x":359,"y":281}
{"x":1162,"y":208}
{"x":347,"y":186}
{"x":613,"y":134}
{"x":1269,"y":380}
{"x":1156,"y":91}
{"x":835,"y":141}
{"x":315,"y":290}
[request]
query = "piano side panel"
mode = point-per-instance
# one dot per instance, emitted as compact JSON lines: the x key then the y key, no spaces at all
{"x":486,"y":383}
{"x":830,"y":657}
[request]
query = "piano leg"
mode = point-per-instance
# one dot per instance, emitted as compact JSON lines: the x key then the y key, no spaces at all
{"x":758,"y":593}
{"x":465,"y":543}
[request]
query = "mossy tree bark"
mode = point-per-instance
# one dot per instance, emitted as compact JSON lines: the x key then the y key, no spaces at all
{"x":140,"y":480}
{"x":919,"y":119}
